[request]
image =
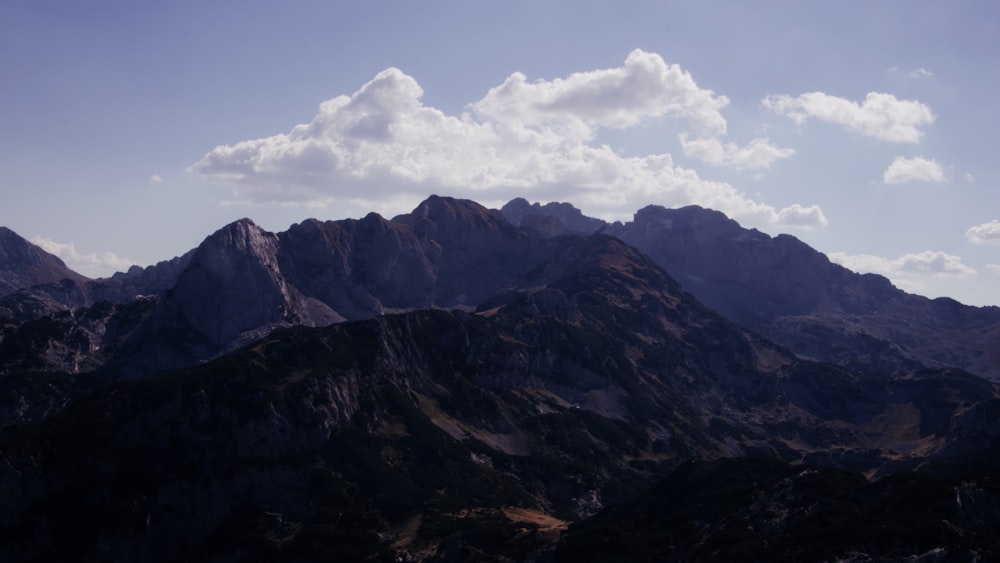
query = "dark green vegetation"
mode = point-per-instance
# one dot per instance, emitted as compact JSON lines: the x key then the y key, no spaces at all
{"x":587,"y":397}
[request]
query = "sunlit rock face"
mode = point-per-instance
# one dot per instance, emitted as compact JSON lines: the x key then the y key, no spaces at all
{"x":233,"y":283}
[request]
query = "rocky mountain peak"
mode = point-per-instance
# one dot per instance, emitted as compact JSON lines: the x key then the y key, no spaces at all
{"x":705,"y":223}
{"x":243,"y":235}
{"x":233,"y":282}
{"x":519,"y":212}
{"x":449,"y":216}
{"x":23,"y":264}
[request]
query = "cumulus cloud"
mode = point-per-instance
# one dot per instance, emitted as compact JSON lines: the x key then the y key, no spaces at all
{"x":757,"y":154}
{"x":646,"y":86}
{"x":880,"y":115}
{"x":911,"y":272}
{"x":995,"y":268}
{"x":155,"y":179}
{"x":532,"y":139}
{"x":987,"y":233}
{"x":84,"y":263}
{"x":910,"y":169}
{"x":933,"y":262}
{"x":796,"y":215}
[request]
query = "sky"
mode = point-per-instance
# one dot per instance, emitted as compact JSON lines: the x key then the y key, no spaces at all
{"x":131,"y":131}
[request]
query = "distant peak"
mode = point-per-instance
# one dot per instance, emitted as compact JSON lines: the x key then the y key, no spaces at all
{"x":243,"y":235}
{"x":244,"y":223}
{"x":436,"y":202}
{"x":688,"y":211}
{"x":239,"y":227}
{"x":571,"y":218}
{"x":448,"y":210}
{"x":24,"y":264}
{"x":691,"y":216}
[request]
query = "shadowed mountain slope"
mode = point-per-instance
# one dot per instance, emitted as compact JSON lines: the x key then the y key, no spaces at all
{"x":783,"y":289}
{"x":451,"y":434}
{"x":766,"y":510}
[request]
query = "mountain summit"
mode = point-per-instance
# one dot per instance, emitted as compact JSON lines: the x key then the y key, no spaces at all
{"x":23,"y":264}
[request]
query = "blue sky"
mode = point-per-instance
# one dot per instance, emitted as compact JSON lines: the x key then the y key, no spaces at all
{"x":129,"y":132}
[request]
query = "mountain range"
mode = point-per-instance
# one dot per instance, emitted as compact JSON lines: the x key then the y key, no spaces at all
{"x":462,"y":384}
{"x":781,"y":288}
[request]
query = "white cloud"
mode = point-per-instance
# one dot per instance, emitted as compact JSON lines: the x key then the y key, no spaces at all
{"x":882,"y":116}
{"x":155,"y":179}
{"x":87,"y":264}
{"x":618,"y":97}
{"x":987,"y":233}
{"x":797,"y":215}
{"x":915,"y":73}
{"x":933,"y":263}
{"x":995,"y":268}
{"x":910,"y":169}
{"x":911,"y":272}
{"x":757,"y":154}
{"x":969,"y":177}
{"x":531,"y":139}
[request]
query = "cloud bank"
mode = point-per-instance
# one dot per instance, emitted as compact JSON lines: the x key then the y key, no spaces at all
{"x":911,"y":272}
{"x":533,"y":139}
{"x":913,"y":169}
{"x":86,"y":264}
{"x":882,"y":116}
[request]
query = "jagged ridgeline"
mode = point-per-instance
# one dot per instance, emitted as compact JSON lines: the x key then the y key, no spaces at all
{"x":464,"y":384}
